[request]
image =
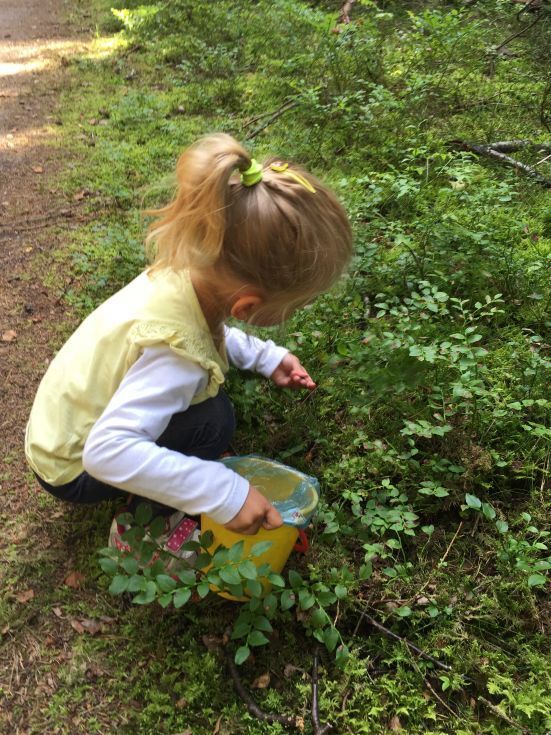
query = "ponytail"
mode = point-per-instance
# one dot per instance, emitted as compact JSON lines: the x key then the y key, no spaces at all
{"x":189,"y":232}
{"x":278,"y":229}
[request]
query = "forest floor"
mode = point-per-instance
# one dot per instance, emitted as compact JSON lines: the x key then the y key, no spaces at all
{"x":35,"y":636}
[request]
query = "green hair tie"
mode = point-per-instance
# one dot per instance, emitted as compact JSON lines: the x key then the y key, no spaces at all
{"x":252,"y":175}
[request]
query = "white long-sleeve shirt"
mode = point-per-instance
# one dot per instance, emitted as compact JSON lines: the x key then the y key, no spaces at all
{"x":121,"y":451}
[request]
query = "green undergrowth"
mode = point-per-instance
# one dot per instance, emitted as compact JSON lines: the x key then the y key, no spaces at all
{"x":429,"y":428}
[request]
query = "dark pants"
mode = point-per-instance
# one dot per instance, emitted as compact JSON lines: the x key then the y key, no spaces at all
{"x":205,"y":430}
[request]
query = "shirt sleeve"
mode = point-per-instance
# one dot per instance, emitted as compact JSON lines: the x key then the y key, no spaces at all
{"x":251,"y":353}
{"x":121,"y":450}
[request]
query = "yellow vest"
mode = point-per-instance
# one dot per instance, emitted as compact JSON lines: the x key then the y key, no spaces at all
{"x":161,"y":308}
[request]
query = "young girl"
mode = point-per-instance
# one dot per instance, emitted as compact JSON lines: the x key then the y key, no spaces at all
{"x":132,"y":402}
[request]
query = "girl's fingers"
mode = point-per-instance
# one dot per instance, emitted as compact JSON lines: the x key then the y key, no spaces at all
{"x":272,"y":519}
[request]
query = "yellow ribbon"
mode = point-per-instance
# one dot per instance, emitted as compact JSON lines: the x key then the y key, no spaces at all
{"x":284,"y":169}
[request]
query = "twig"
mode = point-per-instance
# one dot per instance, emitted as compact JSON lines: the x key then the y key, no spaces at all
{"x":442,"y":560}
{"x":391,"y":634}
{"x":543,"y":160}
{"x":318,"y":728}
{"x":486,"y":150}
{"x":262,"y":115}
{"x":252,"y":706}
{"x":435,"y":694}
{"x":274,"y":116}
{"x":517,"y":34}
{"x":499,"y":713}
{"x":455,"y":535}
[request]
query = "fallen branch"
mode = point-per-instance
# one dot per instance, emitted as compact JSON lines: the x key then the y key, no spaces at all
{"x":391,"y":634}
{"x":289,"y":105}
{"x":508,"y":146}
{"x":499,"y":713}
{"x":487,"y":150}
{"x":262,"y":115}
{"x":522,"y":31}
{"x":252,"y":706}
{"x":318,"y":728}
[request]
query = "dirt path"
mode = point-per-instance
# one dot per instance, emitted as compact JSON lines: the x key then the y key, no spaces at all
{"x":33,"y":48}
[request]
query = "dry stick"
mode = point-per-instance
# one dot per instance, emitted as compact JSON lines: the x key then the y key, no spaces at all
{"x":252,"y":706}
{"x":390,"y":634}
{"x":278,"y":113}
{"x":318,"y":728}
{"x":517,"y":34}
{"x":258,"y":117}
{"x":435,"y":694}
{"x":485,"y":150}
{"x":499,"y":713}
{"x":543,"y":160}
{"x":443,"y":559}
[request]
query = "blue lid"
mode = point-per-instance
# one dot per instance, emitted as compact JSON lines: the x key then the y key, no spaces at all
{"x":294,"y":494}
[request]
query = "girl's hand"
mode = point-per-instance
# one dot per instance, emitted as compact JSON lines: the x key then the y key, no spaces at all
{"x":256,"y":513}
{"x":290,"y":374}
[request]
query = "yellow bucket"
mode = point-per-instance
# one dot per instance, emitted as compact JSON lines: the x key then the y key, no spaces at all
{"x":294,"y":494}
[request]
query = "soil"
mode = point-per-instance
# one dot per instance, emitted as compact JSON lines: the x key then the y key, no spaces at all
{"x":33,"y":44}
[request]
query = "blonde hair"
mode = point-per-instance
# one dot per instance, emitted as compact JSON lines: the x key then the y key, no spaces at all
{"x":277,"y":235}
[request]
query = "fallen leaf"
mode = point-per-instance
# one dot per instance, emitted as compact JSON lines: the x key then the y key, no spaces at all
{"x":106,"y":619}
{"x":423,"y":600}
{"x":80,"y":195}
{"x":91,"y":626}
{"x":262,"y":681}
{"x":5,"y":629}
{"x":74,"y":580}
{"x":395,"y":724}
{"x":24,"y":596}
{"x":9,"y":335}
{"x":182,"y":703}
{"x":93,"y":671}
{"x":289,"y":670}
{"x":217,"y":726}
{"x":38,"y":169}
{"x":57,"y":612}
{"x":211,"y":642}
{"x":77,"y":625}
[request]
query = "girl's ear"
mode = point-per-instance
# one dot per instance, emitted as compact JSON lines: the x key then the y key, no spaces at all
{"x":245,"y":306}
